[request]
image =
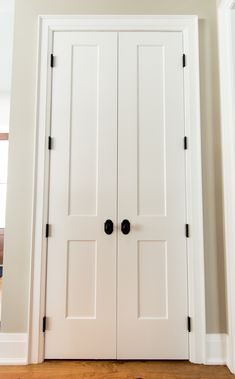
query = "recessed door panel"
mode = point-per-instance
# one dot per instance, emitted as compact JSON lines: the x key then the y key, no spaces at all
{"x":84,"y":130}
{"x":151,"y":163}
{"x":152,"y":280}
{"x":81,"y":279}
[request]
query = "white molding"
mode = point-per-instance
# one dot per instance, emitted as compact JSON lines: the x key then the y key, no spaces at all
{"x":216,"y":349}
{"x":228,"y":157}
{"x":226,"y":4}
{"x":188,"y":25}
{"x":13,"y":348}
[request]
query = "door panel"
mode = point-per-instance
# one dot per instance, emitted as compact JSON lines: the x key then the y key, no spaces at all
{"x":152,"y":264}
{"x":84,"y":130}
{"x":152,"y":280}
{"x":151,"y":139}
{"x":81,"y":280}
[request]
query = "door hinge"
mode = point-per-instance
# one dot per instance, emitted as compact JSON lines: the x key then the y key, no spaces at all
{"x":189,"y":324}
{"x":49,"y":143}
{"x":185,"y":143}
{"x":187,"y":230}
{"x":44,"y":324}
{"x":184,"y":60}
{"x":47,"y":230}
{"x":52,"y":61}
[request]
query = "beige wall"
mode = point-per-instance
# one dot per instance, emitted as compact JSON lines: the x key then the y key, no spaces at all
{"x":22,"y":136}
{"x":233,"y":42}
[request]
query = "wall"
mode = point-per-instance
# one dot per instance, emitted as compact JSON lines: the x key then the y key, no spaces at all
{"x":6,"y":37}
{"x":233,"y":41}
{"x":22,"y":136}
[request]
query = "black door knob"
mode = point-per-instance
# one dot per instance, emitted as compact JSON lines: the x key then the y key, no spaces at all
{"x":125,"y":226}
{"x":108,"y":226}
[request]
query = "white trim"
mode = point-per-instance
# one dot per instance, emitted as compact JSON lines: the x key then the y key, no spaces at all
{"x":216,"y":349}
{"x":13,"y":348}
{"x":228,"y":156}
{"x":188,"y":25}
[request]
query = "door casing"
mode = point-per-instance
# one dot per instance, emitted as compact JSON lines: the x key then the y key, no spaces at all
{"x":188,"y":25}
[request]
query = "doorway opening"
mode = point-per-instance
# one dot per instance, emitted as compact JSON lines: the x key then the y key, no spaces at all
{"x":188,"y":25}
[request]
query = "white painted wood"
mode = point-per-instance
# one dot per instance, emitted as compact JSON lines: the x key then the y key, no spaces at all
{"x":183,"y":23}
{"x":78,"y":268}
{"x":37,"y":289}
{"x":228,"y":149}
{"x":152,"y":259}
{"x":195,"y":244}
{"x":13,"y":348}
{"x":152,"y":278}
{"x":81,"y":258}
{"x":216,"y":349}
{"x":188,"y":25}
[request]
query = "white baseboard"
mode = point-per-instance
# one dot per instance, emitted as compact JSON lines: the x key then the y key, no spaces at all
{"x":13,"y":349}
{"x":216,"y":349}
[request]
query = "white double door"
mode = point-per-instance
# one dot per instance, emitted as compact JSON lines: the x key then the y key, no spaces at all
{"x":117,"y":125}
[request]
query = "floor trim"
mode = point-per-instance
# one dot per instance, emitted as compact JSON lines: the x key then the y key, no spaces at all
{"x":216,"y":349}
{"x":13,"y":348}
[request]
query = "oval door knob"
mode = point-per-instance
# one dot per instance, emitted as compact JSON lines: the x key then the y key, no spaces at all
{"x":108,"y":226}
{"x":125,"y":226}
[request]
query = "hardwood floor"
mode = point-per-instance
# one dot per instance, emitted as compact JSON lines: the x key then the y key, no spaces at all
{"x":115,"y":370}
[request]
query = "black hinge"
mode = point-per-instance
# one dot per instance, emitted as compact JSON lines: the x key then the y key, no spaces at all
{"x":47,"y":230}
{"x":189,"y":324}
{"x":185,"y":143}
{"x":44,"y":324}
{"x":49,"y":143}
{"x":52,"y":60}
{"x":184,"y":60}
{"x":187,"y":230}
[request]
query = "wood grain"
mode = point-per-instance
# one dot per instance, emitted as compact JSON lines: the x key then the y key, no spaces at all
{"x":4,"y":136}
{"x":115,"y":370}
{"x":1,"y":245}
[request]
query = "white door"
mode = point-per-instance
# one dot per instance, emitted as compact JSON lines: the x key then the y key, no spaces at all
{"x":81,"y":266}
{"x":152,"y":263}
{"x":117,"y":129}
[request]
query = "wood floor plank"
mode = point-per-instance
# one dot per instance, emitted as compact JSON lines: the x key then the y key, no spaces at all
{"x":115,"y":370}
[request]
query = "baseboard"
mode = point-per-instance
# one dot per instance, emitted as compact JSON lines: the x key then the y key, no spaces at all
{"x":13,"y":349}
{"x":216,"y":349}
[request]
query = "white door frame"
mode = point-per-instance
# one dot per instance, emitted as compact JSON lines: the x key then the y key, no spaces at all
{"x":188,"y":25}
{"x":228,"y":156}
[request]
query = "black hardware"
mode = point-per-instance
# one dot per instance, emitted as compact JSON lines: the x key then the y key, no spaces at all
{"x":125,"y":227}
{"x":189,"y":324}
{"x":47,"y":230}
{"x":52,"y":60}
{"x":184,"y":60}
{"x":108,"y":226}
{"x":185,"y":143}
{"x":49,"y":143}
{"x":44,"y":324}
{"x":187,"y":230}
